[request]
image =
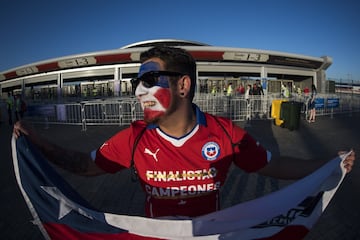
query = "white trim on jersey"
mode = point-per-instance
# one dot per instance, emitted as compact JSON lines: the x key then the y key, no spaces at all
{"x":178,"y":142}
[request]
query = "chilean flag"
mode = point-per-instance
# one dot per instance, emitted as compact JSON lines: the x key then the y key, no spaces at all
{"x":61,"y":213}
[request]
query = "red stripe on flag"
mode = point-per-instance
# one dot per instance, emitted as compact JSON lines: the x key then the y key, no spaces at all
{"x":61,"y":231}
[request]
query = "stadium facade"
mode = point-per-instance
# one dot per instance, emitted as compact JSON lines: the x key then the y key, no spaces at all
{"x":107,"y":73}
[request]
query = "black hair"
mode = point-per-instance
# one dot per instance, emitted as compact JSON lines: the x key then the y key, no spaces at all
{"x":313,"y":88}
{"x":176,"y":60}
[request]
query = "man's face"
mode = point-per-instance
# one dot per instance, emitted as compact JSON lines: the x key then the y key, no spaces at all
{"x":155,"y":100}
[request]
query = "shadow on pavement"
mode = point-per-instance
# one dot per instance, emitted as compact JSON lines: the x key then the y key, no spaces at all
{"x":116,"y":193}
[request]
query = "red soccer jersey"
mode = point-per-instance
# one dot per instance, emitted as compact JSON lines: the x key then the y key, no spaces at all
{"x":182,"y":176}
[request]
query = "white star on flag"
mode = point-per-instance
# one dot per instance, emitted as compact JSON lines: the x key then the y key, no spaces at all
{"x":66,"y":205}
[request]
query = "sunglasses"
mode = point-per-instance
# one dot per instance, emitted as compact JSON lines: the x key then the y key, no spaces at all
{"x":151,"y":79}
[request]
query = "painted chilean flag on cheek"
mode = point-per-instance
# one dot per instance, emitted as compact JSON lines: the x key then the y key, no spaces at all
{"x":61,"y":213}
{"x":162,"y":99}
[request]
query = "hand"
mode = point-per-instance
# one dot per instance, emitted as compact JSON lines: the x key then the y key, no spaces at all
{"x":349,"y":160}
{"x":22,"y":127}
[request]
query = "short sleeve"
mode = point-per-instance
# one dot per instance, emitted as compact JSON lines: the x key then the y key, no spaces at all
{"x":250,"y":155}
{"x":115,"y":154}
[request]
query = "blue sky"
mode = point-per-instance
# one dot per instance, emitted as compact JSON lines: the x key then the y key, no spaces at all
{"x":37,"y":30}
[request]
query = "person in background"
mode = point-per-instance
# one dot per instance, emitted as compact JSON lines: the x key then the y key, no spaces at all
{"x":10,"y":107}
{"x":312,"y":108}
{"x":248,"y":92}
{"x":180,"y":154}
{"x":229,"y":90}
{"x":306,"y":91}
{"x":259,"y":88}
{"x":299,"y":92}
{"x":240,"y":90}
{"x":285,"y":90}
{"x":20,"y":107}
{"x":214,"y":90}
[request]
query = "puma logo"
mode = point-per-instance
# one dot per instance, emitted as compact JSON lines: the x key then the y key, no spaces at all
{"x":147,"y":151}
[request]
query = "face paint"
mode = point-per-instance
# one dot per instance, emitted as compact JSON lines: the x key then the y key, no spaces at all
{"x":154,"y":100}
{"x":148,"y":67}
{"x":151,"y":75}
{"x":162,"y":101}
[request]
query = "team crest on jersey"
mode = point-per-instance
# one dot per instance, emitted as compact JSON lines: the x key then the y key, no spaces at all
{"x":210,"y":151}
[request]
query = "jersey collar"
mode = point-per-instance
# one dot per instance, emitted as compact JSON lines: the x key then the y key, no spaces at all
{"x":200,"y":118}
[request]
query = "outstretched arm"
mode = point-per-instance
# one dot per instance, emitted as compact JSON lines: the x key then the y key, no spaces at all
{"x":76,"y":162}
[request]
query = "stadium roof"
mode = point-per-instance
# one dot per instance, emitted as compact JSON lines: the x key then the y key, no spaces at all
{"x":164,"y":42}
{"x":200,"y":51}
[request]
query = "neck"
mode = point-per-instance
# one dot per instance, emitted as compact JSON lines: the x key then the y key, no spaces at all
{"x":179,"y":123}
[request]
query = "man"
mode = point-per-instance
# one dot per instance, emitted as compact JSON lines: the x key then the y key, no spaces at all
{"x":20,"y":107}
{"x":229,"y":90}
{"x":181,"y":154}
{"x":311,"y":106}
{"x":10,"y":106}
{"x":259,"y":87}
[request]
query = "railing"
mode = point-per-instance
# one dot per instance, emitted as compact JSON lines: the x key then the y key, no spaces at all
{"x":123,"y":111}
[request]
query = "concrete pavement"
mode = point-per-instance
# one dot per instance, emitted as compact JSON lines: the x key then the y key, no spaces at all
{"x":318,"y":140}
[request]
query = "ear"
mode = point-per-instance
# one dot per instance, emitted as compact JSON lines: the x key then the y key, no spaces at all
{"x":184,"y":85}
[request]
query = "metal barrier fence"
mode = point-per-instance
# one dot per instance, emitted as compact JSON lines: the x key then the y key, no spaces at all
{"x":123,"y":111}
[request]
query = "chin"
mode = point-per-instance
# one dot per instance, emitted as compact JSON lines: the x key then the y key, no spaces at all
{"x":151,"y":116}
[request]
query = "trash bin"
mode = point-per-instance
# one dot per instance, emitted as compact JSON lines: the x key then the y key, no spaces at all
{"x":290,"y":114}
{"x":275,"y":111}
